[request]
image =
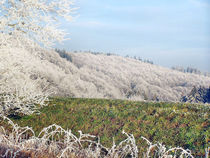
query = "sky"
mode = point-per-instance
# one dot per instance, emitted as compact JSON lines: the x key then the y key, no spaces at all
{"x":170,"y":33}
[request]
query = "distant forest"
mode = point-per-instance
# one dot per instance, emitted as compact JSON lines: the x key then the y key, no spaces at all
{"x":63,"y":53}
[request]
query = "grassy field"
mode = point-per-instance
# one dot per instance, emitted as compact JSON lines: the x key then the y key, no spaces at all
{"x":174,"y":124}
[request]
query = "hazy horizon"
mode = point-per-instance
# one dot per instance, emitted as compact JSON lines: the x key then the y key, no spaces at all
{"x":170,"y":33}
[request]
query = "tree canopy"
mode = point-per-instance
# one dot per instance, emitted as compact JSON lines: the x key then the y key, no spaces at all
{"x":26,"y":22}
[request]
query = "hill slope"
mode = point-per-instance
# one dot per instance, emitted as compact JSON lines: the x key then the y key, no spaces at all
{"x":102,"y":76}
{"x":198,"y":95}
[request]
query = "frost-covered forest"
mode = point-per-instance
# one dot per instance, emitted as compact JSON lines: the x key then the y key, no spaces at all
{"x":100,"y":76}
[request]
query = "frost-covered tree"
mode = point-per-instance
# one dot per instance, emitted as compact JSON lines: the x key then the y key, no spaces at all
{"x":25,"y":26}
{"x":20,"y":91}
{"x":27,"y":21}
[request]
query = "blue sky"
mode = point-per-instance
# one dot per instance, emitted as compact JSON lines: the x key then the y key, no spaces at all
{"x":167,"y":32}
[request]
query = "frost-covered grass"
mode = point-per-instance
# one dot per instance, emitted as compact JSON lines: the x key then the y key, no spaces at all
{"x":173,"y":124}
{"x":54,"y":141}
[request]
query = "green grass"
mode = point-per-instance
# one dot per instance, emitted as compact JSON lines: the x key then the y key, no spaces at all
{"x":174,"y":124}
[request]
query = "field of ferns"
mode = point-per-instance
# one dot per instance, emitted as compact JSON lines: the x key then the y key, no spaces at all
{"x":113,"y":128}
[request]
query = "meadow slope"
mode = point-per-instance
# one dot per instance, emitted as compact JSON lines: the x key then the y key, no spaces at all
{"x":173,"y":124}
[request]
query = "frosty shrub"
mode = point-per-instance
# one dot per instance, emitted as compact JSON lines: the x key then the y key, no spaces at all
{"x":54,"y":141}
{"x":159,"y":150}
{"x":20,"y":91}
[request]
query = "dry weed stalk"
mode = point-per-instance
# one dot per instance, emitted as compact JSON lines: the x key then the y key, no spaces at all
{"x":54,"y":141}
{"x":58,"y":142}
{"x":159,"y":150}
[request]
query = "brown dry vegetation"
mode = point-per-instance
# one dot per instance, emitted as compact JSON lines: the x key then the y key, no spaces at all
{"x":8,"y":152}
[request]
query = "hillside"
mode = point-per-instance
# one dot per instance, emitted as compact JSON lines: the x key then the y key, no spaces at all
{"x":198,"y":95}
{"x":99,"y":76}
{"x":173,"y":124}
